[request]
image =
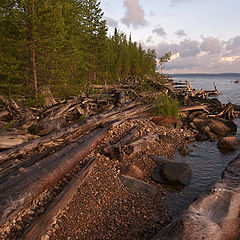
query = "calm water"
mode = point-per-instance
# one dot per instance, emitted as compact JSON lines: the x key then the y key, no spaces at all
{"x":205,"y":159}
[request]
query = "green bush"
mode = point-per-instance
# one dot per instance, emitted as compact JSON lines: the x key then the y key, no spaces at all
{"x":167,"y":106}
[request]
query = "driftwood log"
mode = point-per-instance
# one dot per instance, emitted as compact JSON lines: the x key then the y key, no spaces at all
{"x":39,"y":227}
{"x":128,"y":110}
{"x":19,"y":191}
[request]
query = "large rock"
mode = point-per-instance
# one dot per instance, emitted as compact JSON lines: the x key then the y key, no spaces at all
{"x":131,"y":171}
{"x":218,"y":127}
{"x":228,"y":144}
{"x":172,"y":173}
{"x":137,"y":185}
{"x":214,"y":215}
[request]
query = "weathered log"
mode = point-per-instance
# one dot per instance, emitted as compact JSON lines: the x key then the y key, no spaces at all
{"x":115,"y":150}
{"x":193,"y":108}
{"x":4,"y":113}
{"x":12,"y":137}
{"x":123,"y":112}
{"x":140,"y":144}
{"x":19,"y":191}
{"x":39,"y":227}
{"x":227,"y":112}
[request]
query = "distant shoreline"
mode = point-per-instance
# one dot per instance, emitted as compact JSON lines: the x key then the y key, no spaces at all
{"x":205,"y":74}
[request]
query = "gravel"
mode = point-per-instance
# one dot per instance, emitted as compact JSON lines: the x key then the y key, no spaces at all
{"x":103,"y":208}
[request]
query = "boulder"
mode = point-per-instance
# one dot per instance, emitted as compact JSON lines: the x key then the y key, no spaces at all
{"x":232,"y":125}
{"x":228,"y":144}
{"x":172,"y":173}
{"x":131,"y":171}
{"x":213,"y":215}
{"x":218,"y":127}
{"x":137,"y":185}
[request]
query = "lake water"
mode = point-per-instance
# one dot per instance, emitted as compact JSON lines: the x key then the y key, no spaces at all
{"x":205,"y":159}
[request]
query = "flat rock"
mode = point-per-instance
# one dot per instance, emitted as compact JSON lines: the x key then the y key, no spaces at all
{"x":131,"y":171}
{"x":228,"y":144}
{"x":137,"y":185}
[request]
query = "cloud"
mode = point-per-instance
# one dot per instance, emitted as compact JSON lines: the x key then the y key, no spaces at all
{"x":149,"y":40}
{"x":134,"y":14}
{"x":180,"y":33}
{"x":188,"y":48}
{"x":175,"y":2}
{"x":233,"y":45}
{"x":209,"y":55}
{"x":211,"y":45}
{"x":159,"y":31}
{"x":111,"y":22}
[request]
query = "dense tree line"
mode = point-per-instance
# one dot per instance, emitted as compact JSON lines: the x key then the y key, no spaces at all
{"x":64,"y":42}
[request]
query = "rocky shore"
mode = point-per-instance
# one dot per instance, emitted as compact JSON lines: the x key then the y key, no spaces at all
{"x":121,"y":195}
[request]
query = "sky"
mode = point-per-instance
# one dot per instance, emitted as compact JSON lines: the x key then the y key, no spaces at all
{"x":203,"y":35}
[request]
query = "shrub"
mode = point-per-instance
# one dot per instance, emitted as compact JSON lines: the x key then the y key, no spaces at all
{"x":167,"y":106}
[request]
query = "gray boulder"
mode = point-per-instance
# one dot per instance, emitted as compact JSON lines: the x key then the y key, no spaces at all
{"x":172,"y":173}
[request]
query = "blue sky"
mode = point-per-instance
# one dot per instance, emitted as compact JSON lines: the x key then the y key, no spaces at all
{"x":203,"y":35}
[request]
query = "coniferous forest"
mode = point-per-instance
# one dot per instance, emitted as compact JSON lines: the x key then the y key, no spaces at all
{"x":64,"y":44}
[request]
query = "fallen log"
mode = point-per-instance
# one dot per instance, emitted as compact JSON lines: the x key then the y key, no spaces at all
{"x":115,"y":150}
{"x":85,"y":125}
{"x":39,"y":227}
{"x":193,"y":108}
{"x":12,"y":137}
{"x":19,"y":191}
{"x":227,"y":112}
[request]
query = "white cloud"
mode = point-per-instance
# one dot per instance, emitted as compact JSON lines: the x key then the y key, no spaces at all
{"x":181,"y":33}
{"x":134,"y":14}
{"x":233,"y":45}
{"x":209,"y":55}
{"x":211,"y":44}
{"x":159,"y":31}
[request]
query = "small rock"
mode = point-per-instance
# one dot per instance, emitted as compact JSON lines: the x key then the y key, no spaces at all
{"x":137,"y":185}
{"x":184,"y":150}
{"x":131,"y":171}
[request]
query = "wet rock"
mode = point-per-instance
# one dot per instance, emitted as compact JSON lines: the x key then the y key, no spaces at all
{"x":172,"y":173}
{"x":137,"y":185}
{"x":168,"y":139}
{"x":131,"y":171}
{"x":228,"y":144}
{"x":214,"y":215}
